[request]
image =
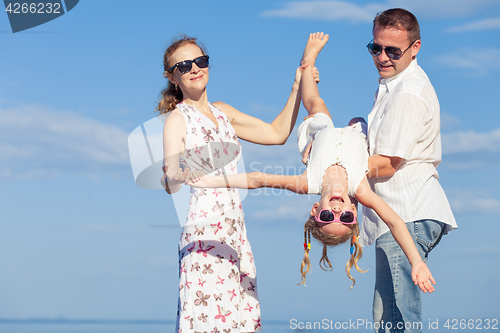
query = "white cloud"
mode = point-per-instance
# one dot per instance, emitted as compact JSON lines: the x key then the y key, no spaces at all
{"x":482,"y":25}
{"x":485,"y":250}
{"x":347,"y":11}
{"x":283,"y":208}
{"x":449,"y":121}
{"x":471,"y":141}
{"x":462,"y":201}
{"x":326,"y":10}
{"x":39,"y":142}
{"x":479,"y":62}
{"x":442,"y":8}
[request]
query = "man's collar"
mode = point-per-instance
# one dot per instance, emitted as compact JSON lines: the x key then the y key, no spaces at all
{"x":393,"y":81}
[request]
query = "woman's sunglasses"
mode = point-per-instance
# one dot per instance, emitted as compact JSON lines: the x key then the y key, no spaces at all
{"x":327,"y":216}
{"x":186,"y":65}
{"x":392,"y":52}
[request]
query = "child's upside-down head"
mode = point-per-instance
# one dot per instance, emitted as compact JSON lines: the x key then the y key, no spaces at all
{"x":332,"y":222}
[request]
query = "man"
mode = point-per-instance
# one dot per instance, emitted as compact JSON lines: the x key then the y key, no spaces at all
{"x":405,"y":149}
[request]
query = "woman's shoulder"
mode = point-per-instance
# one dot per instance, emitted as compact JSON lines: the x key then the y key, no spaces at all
{"x":227,"y":109}
{"x":224,"y":107}
{"x":175,"y":118}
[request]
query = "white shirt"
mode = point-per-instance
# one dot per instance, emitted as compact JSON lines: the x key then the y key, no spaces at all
{"x":405,"y":122}
{"x":333,"y":146}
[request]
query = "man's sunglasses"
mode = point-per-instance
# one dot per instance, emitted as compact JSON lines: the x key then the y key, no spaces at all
{"x":327,"y":216}
{"x":186,"y":65}
{"x":392,"y":52}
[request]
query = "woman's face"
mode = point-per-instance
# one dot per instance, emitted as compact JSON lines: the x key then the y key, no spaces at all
{"x":196,"y":78}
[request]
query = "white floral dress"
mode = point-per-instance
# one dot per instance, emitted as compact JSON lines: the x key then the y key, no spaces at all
{"x":217,"y":286}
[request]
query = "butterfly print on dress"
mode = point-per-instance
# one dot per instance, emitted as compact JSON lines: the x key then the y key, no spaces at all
{"x":205,"y":162}
{"x":232,"y":228}
{"x":203,"y":317}
{"x":218,"y":206}
{"x":202,"y":299}
{"x":208,"y":269}
{"x":198,"y":149}
{"x":222,"y":314}
{"x":199,"y":231}
{"x":257,"y":324}
{"x":232,"y":294}
{"x":219,"y":259}
{"x":216,"y":153}
{"x":202,"y":250}
{"x":208,"y":137}
{"x":217,"y":227}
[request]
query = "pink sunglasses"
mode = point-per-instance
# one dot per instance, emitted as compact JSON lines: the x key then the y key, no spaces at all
{"x":327,"y":216}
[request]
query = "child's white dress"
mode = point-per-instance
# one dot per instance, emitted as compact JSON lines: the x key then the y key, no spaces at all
{"x":345,"y":146}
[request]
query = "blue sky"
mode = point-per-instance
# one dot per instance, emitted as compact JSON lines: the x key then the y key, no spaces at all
{"x":78,"y":238}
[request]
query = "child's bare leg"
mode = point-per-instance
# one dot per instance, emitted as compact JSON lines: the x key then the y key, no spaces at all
{"x":309,"y":88}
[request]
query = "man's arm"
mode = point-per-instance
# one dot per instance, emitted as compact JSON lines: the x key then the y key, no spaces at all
{"x":383,"y":166}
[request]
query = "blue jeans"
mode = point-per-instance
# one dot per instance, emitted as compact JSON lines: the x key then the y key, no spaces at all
{"x":397,"y":306}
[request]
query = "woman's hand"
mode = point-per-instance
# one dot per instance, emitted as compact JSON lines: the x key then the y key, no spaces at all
{"x":316,"y":74}
{"x":316,"y":78}
{"x":298,"y":73}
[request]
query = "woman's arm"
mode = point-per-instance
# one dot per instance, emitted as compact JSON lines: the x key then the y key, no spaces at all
{"x":257,"y":131}
{"x":254,"y":180}
{"x":174,"y":133}
{"x":420,"y":273}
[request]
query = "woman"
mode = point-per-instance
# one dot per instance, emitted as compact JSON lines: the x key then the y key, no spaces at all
{"x":217,"y":272}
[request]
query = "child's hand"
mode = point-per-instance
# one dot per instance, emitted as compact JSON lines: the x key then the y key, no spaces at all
{"x":196,"y":176}
{"x":174,"y":179}
{"x":421,"y":276}
{"x":305,"y":156}
{"x":201,"y":179}
{"x":356,"y":120}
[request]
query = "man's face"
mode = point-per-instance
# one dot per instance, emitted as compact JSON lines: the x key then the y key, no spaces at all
{"x":386,"y":37}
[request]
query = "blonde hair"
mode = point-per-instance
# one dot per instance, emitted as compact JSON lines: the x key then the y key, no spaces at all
{"x":172,"y":95}
{"x":310,"y":227}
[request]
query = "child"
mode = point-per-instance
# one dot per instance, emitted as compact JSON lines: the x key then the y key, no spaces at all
{"x":336,"y":169}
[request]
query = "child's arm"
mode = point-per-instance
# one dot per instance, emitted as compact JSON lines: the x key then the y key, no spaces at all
{"x":253,"y":180}
{"x":420,"y":273}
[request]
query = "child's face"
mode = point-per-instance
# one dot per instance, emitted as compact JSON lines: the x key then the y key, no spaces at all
{"x":334,"y":197}
{"x":337,"y":204}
